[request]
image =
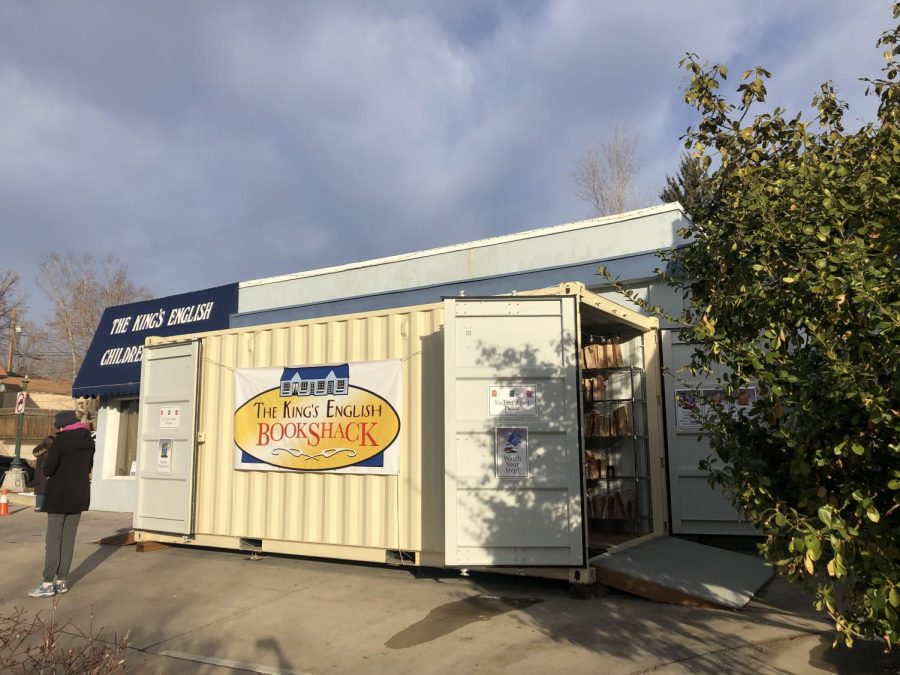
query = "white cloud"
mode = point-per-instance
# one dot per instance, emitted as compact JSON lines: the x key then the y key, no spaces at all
{"x":261,"y":138}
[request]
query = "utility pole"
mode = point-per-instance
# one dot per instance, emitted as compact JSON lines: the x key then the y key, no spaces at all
{"x":12,"y":342}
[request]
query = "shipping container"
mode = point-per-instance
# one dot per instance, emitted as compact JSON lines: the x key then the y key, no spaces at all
{"x":529,"y":435}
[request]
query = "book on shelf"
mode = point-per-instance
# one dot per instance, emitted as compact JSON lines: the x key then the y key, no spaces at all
{"x":621,"y":422}
{"x":591,"y":465}
{"x":594,"y":388}
{"x":616,"y":424}
{"x":602,"y":355}
{"x":596,"y":425}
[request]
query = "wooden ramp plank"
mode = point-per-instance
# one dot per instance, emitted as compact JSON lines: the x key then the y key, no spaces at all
{"x":118,"y":539}
{"x":148,"y":546}
{"x":668,"y":569}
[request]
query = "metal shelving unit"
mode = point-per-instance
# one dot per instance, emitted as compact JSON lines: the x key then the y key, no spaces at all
{"x":617,"y":485}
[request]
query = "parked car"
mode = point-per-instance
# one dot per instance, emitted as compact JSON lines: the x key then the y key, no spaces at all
{"x":6,"y":462}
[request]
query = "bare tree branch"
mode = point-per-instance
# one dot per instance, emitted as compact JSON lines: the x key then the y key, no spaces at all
{"x":80,"y":288}
{"x":10,"y":302}
{"x":605,"y":173}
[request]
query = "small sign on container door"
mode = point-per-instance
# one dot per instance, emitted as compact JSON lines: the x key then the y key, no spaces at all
{"x":518,"y":399}
{"x":170,"y":417}
{"x":164,"y":455}
{"x":511,"y":453}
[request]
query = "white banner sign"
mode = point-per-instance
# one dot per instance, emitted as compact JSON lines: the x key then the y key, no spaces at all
{"x":339,"y":418}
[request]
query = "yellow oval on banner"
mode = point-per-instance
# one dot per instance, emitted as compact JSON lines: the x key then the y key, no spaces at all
{"x":315,"y":433}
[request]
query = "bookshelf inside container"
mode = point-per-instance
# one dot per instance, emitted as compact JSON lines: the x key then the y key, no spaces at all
{"x":614,"y":438}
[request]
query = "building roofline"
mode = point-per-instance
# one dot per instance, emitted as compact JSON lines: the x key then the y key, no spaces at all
{"x":479,"y":243}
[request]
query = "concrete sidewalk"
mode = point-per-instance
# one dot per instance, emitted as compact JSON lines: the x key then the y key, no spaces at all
{"x":205,"y":611}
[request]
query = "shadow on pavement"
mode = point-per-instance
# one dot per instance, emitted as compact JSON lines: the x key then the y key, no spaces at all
{"x":864,"y":658}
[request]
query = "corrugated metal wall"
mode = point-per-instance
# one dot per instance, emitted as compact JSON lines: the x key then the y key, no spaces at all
{"x":388,"y":512}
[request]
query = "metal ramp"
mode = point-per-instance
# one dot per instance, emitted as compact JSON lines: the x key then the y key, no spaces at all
{"x":667,"y":569}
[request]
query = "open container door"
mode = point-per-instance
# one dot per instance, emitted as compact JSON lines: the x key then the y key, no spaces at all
{"x":631,"y":529}
{"x":512,"y":466}
{"x":167,"y":438}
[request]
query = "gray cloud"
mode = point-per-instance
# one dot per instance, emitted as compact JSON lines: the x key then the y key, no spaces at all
{"x":204,"y":144}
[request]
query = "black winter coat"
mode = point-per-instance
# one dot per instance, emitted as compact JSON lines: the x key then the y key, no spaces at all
{"x":39,"y":483}
{"x":68,"y":468}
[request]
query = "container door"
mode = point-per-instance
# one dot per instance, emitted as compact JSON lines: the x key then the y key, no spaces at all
{"x":696,"y":508}
{"x":511,"y":452}
{"x":167,"y":438}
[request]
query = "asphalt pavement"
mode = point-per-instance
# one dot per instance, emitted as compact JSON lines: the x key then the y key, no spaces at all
{"x":192,"y":610}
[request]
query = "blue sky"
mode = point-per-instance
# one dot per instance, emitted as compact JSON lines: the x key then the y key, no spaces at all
{"x":204,"y":143}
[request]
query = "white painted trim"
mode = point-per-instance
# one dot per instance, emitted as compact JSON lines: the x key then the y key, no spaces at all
{"x":480,"y":243}
{"x":110,"y":437}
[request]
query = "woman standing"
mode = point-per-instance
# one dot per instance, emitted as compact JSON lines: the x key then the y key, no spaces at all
{"x":68,"y":493}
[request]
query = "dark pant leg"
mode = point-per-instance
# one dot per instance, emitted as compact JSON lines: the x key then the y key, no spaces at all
{"x":67,"y":545}
{"x":61,"y":529}
{"x":54,"y":538}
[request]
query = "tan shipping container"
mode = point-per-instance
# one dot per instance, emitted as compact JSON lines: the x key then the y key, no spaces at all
{"x":374,"y":518}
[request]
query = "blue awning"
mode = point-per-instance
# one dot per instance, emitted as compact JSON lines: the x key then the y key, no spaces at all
{"x":112,"y":366}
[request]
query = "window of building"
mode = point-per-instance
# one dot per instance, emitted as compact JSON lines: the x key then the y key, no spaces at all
{"x":126,"y":447}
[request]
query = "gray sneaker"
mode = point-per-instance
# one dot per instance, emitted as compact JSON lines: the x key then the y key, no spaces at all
{"x":62,"y":586}
{"x":42,"y":590}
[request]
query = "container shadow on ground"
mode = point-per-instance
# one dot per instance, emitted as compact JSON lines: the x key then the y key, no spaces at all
{"x":622,"y":626}
{"x":619,"y":626}
{"x":219,"y":604}
{"x":155,"y":597}
{"x":615,"y":626}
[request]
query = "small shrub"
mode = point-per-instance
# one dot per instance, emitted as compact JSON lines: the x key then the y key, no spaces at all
{"x":29,"y":644}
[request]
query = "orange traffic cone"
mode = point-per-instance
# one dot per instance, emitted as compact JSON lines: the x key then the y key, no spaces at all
{"x":4,"y":503}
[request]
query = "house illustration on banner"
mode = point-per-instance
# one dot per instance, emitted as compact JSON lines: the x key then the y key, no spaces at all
{"x":316,"y":381}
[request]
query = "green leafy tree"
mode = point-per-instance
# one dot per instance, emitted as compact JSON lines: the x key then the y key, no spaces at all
{"x":689,"y":186}
{"x":792,"y":285}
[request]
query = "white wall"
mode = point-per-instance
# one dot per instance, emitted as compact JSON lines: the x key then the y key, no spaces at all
{"x":642,"y":231}
{"x":108,"y":491}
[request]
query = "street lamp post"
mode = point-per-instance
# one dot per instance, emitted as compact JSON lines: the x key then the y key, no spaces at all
{"x":14,"y":480}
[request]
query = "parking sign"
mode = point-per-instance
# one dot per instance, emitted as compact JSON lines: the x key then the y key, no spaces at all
{"x":20,"y":402}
